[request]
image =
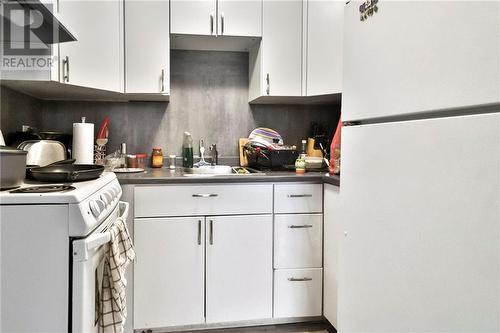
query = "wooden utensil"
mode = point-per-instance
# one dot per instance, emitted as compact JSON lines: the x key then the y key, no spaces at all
{"x":243,"y":156}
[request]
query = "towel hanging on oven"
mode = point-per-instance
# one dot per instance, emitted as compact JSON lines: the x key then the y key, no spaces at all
{"x":113,"y":306}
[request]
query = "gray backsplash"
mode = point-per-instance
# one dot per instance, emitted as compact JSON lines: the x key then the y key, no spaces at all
{"x":17,"y":109}
{"x":209,"y":98}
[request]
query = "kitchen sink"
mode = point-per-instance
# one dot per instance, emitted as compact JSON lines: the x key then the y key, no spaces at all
{"x":210,"y":170}
{"x":221,"y":170}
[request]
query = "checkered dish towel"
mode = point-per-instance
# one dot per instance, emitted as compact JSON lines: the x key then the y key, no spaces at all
{"x":113,"y":305}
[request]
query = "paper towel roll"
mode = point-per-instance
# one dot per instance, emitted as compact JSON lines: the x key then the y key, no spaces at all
{"x":83,"y":142}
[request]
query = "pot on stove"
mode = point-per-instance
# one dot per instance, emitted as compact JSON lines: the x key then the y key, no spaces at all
{"x":12,"y":167}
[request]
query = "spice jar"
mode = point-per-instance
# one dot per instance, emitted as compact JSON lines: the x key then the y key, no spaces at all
{"x":131,"y":161}
{"x":141,"y":160}
{"x":157,"y":158}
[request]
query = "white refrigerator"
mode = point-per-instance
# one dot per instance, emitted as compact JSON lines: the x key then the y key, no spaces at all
{"x":419,"y":215}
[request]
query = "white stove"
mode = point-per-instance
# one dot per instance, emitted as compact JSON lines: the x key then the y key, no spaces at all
{"x":52,"y":251}
{"x":89,"y":203}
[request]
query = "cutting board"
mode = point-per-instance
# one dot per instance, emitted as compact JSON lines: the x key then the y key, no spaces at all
{"x":243,"y":156}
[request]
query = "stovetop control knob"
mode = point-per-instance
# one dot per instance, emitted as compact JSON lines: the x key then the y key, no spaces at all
{"x":94,"y":208}
{"x":106,"y":198}
{"x":111,"y":194}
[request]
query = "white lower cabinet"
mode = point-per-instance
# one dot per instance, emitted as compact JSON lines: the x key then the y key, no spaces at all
{"x":175,"y":254}
{"x":333,"y":234}
{"x":298,"y":241}
{"x":297,"y":292}
{"x":169,"y":272}
{"x":217,"y":266}
{"x":239,"y":268}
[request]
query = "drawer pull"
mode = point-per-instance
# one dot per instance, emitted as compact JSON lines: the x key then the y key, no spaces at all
{"x":300,"y":226}
{"x":300,"y":195}
{"x":205,"y":195}
{"x":299,"y":279}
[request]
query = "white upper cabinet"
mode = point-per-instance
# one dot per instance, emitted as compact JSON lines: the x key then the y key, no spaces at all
{"x":240,"y":18}
{"x":301,"y":51}
{"x":193,"y":17}
{"x":147,"y":46}
{"x":217,"y":17}
{"x":282,"y":48}
{"x":417,"y":56}
{"x":95,"y":60}
{"x":325,"y":20}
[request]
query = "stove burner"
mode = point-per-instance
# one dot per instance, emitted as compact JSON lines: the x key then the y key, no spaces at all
{"x":44,"y":189}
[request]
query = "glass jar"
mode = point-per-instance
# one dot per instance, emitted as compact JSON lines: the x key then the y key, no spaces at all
{"x":131,"y":161}
{"x":157,"y":158}
{"x":141,"y":160}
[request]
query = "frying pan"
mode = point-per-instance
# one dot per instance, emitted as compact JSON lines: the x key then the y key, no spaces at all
{"x":67,"y":173}
{"x":32,"y":166}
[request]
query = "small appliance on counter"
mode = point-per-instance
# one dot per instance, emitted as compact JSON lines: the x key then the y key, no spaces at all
{"x":265,"y":150}
{"x":43,"y":152}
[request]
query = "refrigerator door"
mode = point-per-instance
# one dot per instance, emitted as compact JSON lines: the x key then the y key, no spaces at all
{"x":417,"y":56}
{"x":420,"y":246}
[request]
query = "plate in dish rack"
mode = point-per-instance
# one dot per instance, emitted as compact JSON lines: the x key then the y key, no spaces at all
{"x":128,"y":170}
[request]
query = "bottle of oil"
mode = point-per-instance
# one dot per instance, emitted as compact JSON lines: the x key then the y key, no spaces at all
{"x":187,"y":151}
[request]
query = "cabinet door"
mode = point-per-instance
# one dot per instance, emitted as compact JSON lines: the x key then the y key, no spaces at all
{"x":95,"y":60}
{"x":282,"y":48}
{"x":193,"y":17}
{"x":169,"y":272}
{"x":147,"y":59}
{"x":417,"y":56}
{"x":239,"y":268}
{"x":240,"y":18}
{"x":325,"y":21}
{"x":332,"y":236}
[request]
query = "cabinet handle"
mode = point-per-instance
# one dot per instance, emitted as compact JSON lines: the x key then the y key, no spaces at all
{"x":66,"y":69}
{"x":205,"y":195}
{"x":162,"y":80}
{"x":212,"y":23}
{"x":222,"y":23}
{"x":211,"y":235}
{"x":300,"y":226}
{"x":292,"y":279}
{"x":268,"y":88}
{"x":199,"y":232}
{"x":300,"y":195}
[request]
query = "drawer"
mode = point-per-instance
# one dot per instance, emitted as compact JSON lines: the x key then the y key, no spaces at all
{"x":298,"y":198}
{"x":297,"y":292}
{"x":298,"y":241}
{"x":192,"y":200}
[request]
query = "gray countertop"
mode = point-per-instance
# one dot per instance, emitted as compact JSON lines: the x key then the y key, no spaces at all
{"x":177,"y":176}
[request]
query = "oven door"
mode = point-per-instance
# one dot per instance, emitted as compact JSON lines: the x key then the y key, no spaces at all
{"x":88,"y":266}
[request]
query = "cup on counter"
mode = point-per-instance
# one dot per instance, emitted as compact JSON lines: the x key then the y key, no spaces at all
{"x":141,"y":160}
{"x":171,"y":161}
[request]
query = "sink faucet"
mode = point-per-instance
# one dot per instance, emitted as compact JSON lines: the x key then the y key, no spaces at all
{"x":215,"y":154}
{"x":202,"y":161}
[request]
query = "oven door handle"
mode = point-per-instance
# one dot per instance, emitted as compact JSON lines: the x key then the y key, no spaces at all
{"x":83,"y":246}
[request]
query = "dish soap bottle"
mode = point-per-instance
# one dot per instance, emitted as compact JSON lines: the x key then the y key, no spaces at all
{"x":300,"y":162}
{"x":187,"y":151}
